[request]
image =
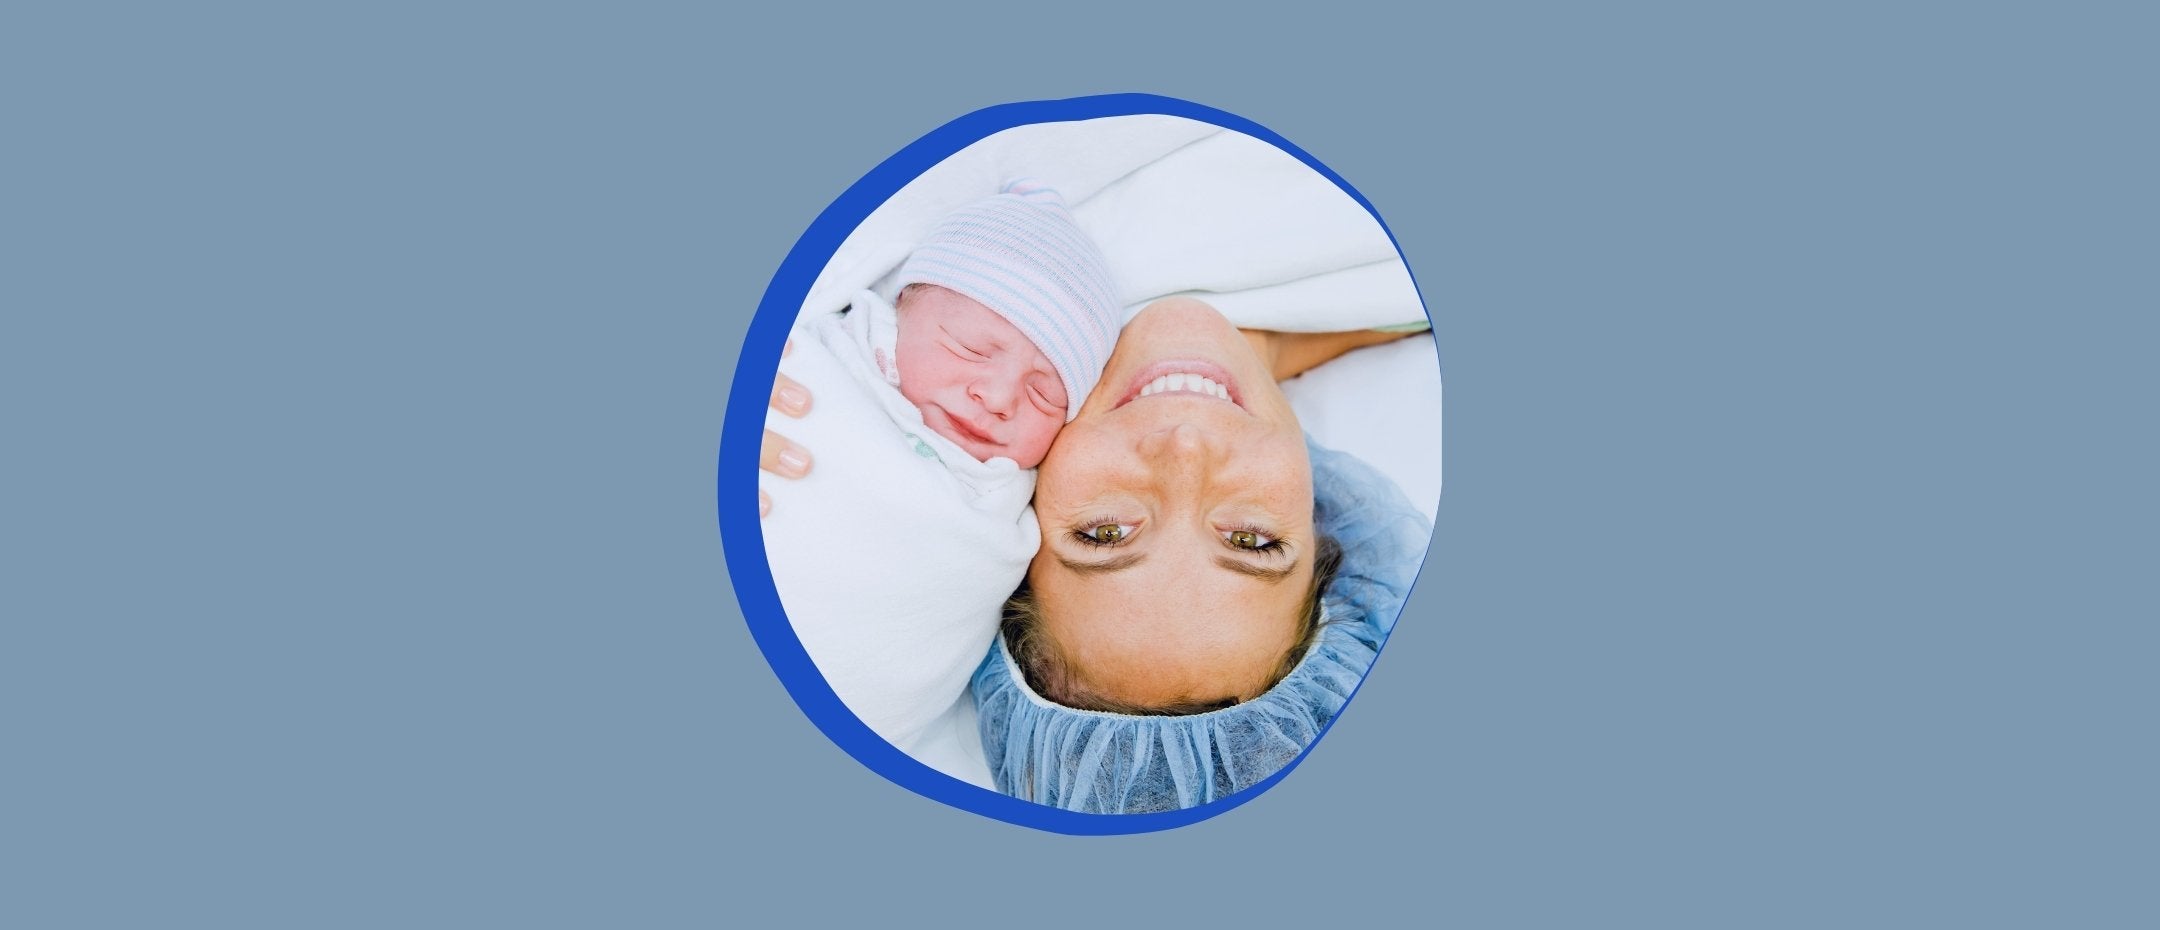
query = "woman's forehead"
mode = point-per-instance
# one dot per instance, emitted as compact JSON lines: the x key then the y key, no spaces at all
{"x":1174,"y":637}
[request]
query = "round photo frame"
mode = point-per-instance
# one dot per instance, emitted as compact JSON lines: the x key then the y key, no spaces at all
{"x":742,"y":433}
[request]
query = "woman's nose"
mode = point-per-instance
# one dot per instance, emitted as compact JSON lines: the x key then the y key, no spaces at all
{"x":1182,"y":446}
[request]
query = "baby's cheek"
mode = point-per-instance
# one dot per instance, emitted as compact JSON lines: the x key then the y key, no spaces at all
{"x":1039,"y":436}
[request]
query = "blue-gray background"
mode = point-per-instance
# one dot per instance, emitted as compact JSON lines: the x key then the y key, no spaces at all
{"x":363,"y":375}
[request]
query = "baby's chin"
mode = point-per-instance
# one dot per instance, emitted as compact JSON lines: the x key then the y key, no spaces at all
{"x":982,"y":453}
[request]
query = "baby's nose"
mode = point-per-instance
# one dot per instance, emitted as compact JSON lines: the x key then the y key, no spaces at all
{"x":995,"y":397}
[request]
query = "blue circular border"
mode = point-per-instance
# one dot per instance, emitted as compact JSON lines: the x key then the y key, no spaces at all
{"x":743,"y":431}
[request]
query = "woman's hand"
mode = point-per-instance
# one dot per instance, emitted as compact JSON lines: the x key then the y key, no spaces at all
{"x":778,"y":454}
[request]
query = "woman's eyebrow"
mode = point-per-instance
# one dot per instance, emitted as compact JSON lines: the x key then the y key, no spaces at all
{"x":1103,"y":567}
{"x":1262,"y":572}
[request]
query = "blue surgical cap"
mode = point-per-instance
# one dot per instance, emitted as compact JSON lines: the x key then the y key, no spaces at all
{"x":1097,"y":762}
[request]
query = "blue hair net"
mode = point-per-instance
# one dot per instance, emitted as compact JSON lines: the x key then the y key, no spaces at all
{"x":1097,"y":762}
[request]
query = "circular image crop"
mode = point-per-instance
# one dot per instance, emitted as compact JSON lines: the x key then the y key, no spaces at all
{"x":1095,"y":447}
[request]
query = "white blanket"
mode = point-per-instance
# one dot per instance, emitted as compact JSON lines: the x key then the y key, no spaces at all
{"x":1178,"y":207}
{"x":893,"y":565}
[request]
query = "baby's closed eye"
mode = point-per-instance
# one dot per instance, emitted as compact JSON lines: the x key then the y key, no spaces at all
{"x":964,"y":353}
{"x":1046,"y":400}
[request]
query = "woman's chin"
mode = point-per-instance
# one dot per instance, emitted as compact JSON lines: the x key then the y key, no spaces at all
{"x":1180,"y":329}
{"x":1180,"y":314}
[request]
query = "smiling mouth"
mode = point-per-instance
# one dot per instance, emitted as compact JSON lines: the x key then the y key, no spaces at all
{"x":1184,"y":378}
{"x":968,"y":430}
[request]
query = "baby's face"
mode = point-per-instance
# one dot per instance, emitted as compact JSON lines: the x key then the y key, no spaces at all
{"x":976,"y":378}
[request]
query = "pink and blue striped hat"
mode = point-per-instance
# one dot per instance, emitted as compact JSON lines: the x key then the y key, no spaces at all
{"x":1021,"y":254}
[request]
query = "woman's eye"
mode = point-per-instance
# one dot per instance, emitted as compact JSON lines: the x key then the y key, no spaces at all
{"x":1106,"y":534}
{"x":1249,"y":539}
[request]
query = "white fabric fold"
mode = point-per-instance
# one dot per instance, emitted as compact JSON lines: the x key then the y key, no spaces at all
{"x":1178,"y":207}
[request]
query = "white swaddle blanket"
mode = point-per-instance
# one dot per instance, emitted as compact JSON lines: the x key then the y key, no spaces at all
{"x":894,"y":557}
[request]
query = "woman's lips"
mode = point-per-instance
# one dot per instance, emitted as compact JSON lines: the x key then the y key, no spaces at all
{"x":1183,"y":378}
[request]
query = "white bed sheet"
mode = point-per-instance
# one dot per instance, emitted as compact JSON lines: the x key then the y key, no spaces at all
{"x":1381,"y":403}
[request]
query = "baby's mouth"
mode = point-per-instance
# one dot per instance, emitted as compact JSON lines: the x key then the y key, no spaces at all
{"x":968,"y":430}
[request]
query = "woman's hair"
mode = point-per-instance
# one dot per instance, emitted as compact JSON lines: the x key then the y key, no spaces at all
{"x":1047,"y":672}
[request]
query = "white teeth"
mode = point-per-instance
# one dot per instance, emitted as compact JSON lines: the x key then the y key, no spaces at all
{"x":1185,"y":383}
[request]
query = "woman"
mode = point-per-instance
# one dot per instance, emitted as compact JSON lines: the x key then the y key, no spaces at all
{"x":1179,"y":638}
{"x":1165,"y":497}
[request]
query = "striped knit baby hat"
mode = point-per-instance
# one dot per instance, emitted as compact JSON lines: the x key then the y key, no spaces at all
{"x":1021,"y":255}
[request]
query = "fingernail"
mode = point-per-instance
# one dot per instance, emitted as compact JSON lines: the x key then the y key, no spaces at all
{"x":794,"y":461}
{"x":764,"y":504}
{"x":793,"y":400}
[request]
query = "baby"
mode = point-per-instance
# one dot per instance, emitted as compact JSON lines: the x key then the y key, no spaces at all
{"x":976,"y":378}
{"x":1006,"y":315}
{"x":894,"y":557}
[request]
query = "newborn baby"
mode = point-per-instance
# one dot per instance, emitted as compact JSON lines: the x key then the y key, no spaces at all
{"x":894,"y":557}
{"x":976,"y":378}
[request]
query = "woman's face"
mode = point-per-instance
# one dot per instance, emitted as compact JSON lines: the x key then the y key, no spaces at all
{"x":1177,"y":519}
